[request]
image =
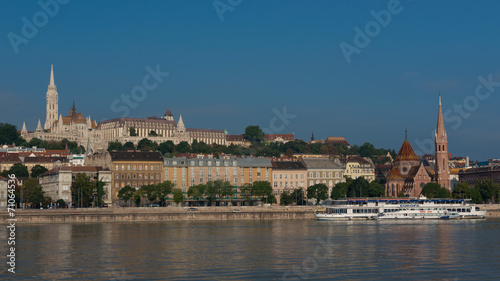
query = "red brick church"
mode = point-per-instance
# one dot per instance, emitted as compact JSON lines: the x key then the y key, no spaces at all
{"x":409,"y":175}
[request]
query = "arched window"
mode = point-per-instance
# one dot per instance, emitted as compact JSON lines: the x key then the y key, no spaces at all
{"x":324,"y":174}
{"x":336,"y":174}
{"x":317,"y":174}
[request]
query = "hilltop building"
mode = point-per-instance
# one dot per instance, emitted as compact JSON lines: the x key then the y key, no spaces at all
{"x":73,"y":127}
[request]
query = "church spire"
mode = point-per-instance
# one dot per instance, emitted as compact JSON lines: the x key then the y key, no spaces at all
{"x":180,"y":125}
{"x":52,"y":99}
{"x":39,"y":126}
{"x":52,"y":83}
{"x":23,"y":130}
{"x":73,"y":109}
{"x":312,"y":136}
{"x":441,"y":166}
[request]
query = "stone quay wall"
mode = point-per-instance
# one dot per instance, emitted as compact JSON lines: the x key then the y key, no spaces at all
{"x":181,"y":214}
{"x":163,"y":214}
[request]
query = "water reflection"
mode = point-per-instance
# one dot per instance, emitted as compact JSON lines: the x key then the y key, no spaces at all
{"x":258,"y":250}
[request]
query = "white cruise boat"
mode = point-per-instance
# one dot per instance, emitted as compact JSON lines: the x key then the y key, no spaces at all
{"x":399,"y":208}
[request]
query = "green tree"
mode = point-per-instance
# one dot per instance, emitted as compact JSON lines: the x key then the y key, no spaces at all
{"x":132,"y":132}
{"x":339,"y":190}
{"x":183,"y":147}
{"x":318,"y":191}
{"x":218,"y":190}
{"x":366,"y":150}
{"x":359,"y":188}
{"x":246,"y":191}
{"x":401,"y":194}
{"x":462,"y":191}
{"x":196,"y":192}
{"x":128,"y":146}
{"x":38,"y":170}
{"x":115,"y":145}
{"x":147,"y":145}
{"x":285,"y":198}
{"x":434,"y":190}
{"x":178,"y":196}
{"x":254,"y":134}
{"x":61,"y":203}
{"x":126,"y":193}
{"x":82,"y":190}
{"x":28,"y":187}
{"x":262,"y":188}
{"x":376,"y":189}
{"x":37,"y":196}
{"x":150,"y":192}
{"x":17,"y":169}
{"x":166,"y":147}
{"x":164,"y":189}
{"x":9,"y":135}
{"x":297,"y":196}
{"x":99,"y":192}
{"x":488,"y":189}
{"x":152,"y":133}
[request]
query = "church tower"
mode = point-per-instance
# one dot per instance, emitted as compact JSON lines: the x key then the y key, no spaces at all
{"x":441,"y":168}
{"x":52,"y":101}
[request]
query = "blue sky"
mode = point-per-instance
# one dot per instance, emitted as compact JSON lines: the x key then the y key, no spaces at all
{"x":231,"y":69}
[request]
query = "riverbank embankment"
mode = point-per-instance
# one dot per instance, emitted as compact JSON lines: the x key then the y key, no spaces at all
{"x":164,"y":214}
{"x":180,"y":214}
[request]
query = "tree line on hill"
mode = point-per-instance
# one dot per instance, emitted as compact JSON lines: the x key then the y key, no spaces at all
{"x":258,"y":147}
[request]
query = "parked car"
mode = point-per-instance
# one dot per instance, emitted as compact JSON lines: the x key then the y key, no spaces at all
{"x":236,"y":211}
{"x":192,"y":210}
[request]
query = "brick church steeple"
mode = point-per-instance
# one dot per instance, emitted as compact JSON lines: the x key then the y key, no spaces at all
{"x":441,"y":168}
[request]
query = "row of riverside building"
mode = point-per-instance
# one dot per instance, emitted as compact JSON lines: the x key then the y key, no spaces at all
{"x":137,"y":168}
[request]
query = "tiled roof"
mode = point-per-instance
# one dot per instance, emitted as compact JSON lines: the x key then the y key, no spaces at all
{"x":339,"y":140}
{"x":288,"y":165}
{"x":236,"y":138}
{"x":394,"y":174}
{"x":136,"y":156}
{"x":406,"y":153}
{"x":254,"y":162}
{"x":205,"y":130}
{"x":76,"y":169}
{"x":45,"y":159}
{"x":321,"y":163}
{"x":270,"y":137}
{"x":168,"y":113}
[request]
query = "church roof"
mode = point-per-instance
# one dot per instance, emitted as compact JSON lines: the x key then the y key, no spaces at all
{"x":394,"y":174}
{"x":406,"y":153}
{"x":168,"y":113}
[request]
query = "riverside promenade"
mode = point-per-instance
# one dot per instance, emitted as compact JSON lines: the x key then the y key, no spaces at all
{"x":163,"y":214}
{"x":181,"y":214}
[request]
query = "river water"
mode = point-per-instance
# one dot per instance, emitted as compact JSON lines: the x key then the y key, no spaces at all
{"x":257,"y":250}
